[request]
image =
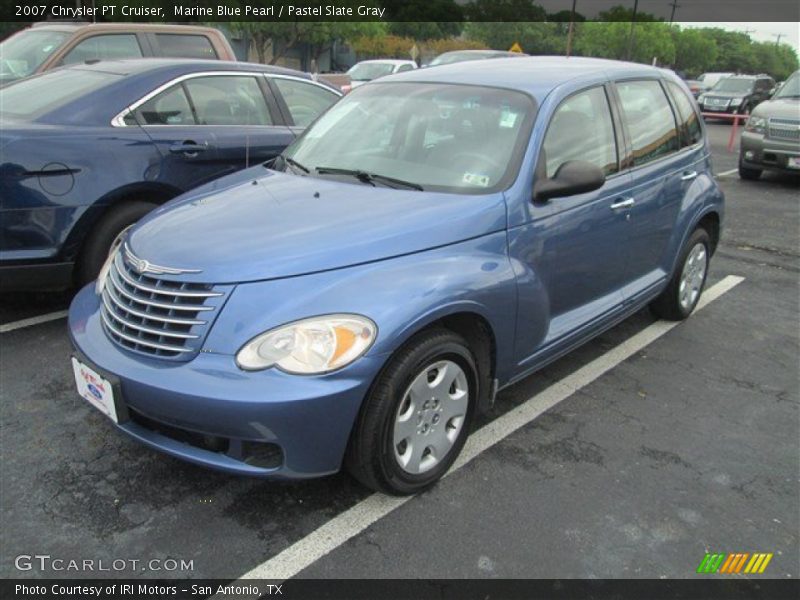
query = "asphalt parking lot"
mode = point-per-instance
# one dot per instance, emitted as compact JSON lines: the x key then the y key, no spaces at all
{"x":688,"y":446}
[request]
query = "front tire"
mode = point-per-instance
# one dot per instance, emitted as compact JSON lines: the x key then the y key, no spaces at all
{"x":416,"y":418}
{"x":105,"y":235}
{"x":682,"y":294}
{"x":748,"y":173}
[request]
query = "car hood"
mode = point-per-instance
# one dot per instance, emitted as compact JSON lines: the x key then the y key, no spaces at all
{"x":261,"y":224}
{"x":782,"y":108}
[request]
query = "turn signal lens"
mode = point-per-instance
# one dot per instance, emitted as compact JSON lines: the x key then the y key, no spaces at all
{"x":310,"y":346}
{"x":756,"y":124}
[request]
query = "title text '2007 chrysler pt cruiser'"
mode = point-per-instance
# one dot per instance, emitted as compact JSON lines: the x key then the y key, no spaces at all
{"x":435,"y":236}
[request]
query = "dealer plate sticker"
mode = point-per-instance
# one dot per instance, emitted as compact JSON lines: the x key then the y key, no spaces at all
{"x":94,"y":388}
{"x":794,"y":162}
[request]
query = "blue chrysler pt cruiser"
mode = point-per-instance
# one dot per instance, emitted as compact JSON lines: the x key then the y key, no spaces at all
{"x":434,"y":237}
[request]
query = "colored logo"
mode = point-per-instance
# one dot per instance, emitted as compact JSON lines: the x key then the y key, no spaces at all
{"x":95,"y":392}
{"x":737,"y":562}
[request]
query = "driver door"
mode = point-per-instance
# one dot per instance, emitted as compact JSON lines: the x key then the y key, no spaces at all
{"x":575,"y":247}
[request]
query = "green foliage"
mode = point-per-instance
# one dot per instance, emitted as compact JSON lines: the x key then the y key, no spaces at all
{"x":612,"y":40}
{"x":695,"y":53}
{"x":535,"y":38}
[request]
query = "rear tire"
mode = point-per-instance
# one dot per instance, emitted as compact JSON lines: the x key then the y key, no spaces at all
{"x":683,"y":293}
{"x":408,"y":434}
{"x":104,"y":234}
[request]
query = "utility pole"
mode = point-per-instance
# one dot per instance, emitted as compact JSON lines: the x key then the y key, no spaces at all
{"x":777,"y":37}
{"x":633,"y":23}
{"x":571,"y":31}
{"x":674,"y":5}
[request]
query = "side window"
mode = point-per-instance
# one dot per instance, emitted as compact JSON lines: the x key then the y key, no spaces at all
{"x":581,"y":129}
{"x":402,"y":68}
{"x":228,"y":100}
{"x":691,"y":133}
{"x":104,"y":47}
{"x":179,"y":45}
{"x":170,"y":107}
{"x":649,"y":118}
{"x":306,"y":101}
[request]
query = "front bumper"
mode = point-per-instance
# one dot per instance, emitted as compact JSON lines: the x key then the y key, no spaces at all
{"x":758,"y":151}
{"x":209,"y":412}
{"x":730,"y":108}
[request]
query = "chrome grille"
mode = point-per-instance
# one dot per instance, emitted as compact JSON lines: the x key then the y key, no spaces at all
{"x":155,"y":316}
{"x":784,"y":129}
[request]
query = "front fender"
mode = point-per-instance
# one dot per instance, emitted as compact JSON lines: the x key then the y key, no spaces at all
{"x":401,"y":295}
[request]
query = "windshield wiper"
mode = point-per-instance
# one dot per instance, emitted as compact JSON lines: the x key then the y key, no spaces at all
{"x":296,"y":164}
{"x":370,"y":178}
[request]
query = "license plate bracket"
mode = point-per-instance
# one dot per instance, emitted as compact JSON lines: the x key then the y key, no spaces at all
{"x":100,"y":388}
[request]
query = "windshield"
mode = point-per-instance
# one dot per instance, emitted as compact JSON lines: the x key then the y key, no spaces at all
{"x":30,"y":98}
{"x":443,"y":137}
{"x":21,"y":54}
{"x":733,"y":85}
{"x":454,"y":57}
{"x":369,"y":71}
{"x":790,"y":89}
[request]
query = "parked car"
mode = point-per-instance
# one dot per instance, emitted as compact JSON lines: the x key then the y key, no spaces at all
{"x":711,"y":79}
{"x":696,"y":86}
{"x":87,"y":150}
{"x":434,"y":237}
{"x":456,"y":56}
{"x":739,"y":94}
{"x":771,"y":137}
{"x":49,"y":45}
{"x":367,"y":70}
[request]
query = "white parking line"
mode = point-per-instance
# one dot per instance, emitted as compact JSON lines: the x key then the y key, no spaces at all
{"x":353,"y":521}
{"x":726,"y":173}
{"x":6,"y":327}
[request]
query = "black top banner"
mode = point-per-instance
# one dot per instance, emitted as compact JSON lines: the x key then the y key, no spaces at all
{"x":168,"y":11}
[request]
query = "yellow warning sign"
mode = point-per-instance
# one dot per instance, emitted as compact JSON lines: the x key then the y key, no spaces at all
{"x":516,"y":48}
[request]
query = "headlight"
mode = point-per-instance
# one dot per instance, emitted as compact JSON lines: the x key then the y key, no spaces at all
{"x":756,"y":124}
{"x":100,"y":284}
{"x":315,"y":345}
{"x":701,"y":98}
{"x":737,"y":101}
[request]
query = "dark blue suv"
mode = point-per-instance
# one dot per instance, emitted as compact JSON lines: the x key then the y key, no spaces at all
{"x":87,"y":150}
{"x":434,"y":237}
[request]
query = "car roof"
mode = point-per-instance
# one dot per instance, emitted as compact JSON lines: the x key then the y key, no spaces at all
{"x":535,"y":75}
{"x":73,"y":26}
{"x":178,"y":66}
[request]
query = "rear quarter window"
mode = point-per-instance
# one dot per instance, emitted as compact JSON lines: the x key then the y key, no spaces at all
{"x":649,"y":120}
{"x":180,"y":45}
{"x":691,"y":133}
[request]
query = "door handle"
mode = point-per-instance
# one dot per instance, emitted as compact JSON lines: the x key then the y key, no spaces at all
{"x":688,"y":175}
{"x":188,"y":148}
{"x":626,"y":203}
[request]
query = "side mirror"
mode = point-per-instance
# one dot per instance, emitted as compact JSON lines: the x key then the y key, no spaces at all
{"x":573,"y":177}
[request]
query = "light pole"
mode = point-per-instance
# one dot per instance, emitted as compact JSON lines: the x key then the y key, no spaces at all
{"x":633,"y":22}
{"x":674,"y":5}
{"x":571,"y":31}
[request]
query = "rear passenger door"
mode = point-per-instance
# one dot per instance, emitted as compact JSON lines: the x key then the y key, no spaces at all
{"x":301,"y":101}
{"x":663,"y":167}
{"x":240,"y":111}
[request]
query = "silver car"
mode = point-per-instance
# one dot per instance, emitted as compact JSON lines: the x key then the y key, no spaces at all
{"x":771,"y":138}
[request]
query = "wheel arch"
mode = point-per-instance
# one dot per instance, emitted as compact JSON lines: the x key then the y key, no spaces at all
{"x":157,"y":193}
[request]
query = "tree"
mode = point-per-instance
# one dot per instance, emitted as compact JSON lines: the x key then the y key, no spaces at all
{"x":535,"y":38}
{"x":610,"y":40}
{"x":282,"y":36}
{"x":695,"y":53}
{"x":426,"y":19}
